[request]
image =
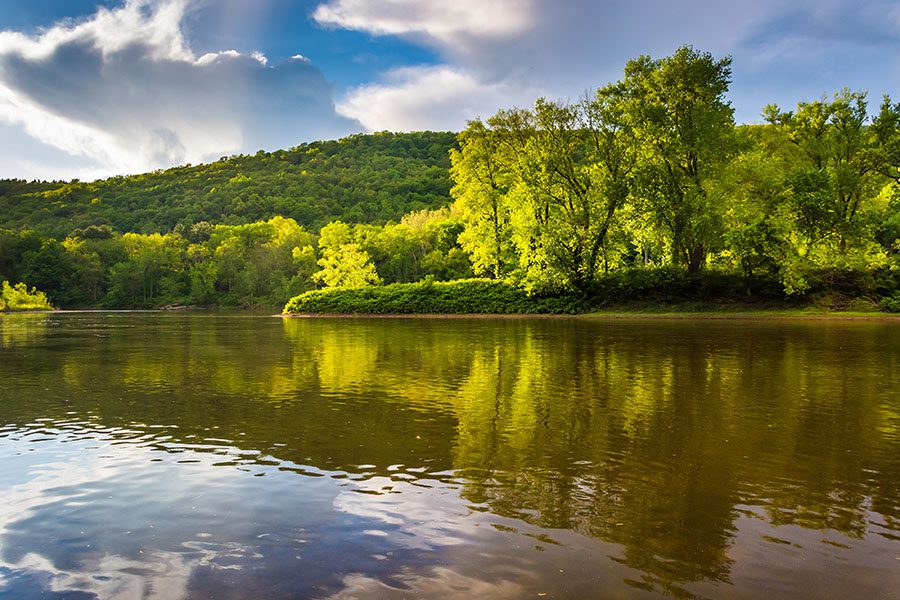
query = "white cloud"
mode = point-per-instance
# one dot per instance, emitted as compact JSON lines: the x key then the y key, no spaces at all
{"x":154,"y":25}
{"x":782,"y":52}
{"x":124,"y":90}
{"x":417,"y":98}
{"x":445,"y":21}
{"x":259,"y":57}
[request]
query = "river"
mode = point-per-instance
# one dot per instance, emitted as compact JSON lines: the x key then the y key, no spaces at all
{"x":204,"y":455}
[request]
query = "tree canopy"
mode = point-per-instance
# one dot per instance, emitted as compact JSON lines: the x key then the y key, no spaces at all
{"x":641,"y":179}
{"x":360,"y":179}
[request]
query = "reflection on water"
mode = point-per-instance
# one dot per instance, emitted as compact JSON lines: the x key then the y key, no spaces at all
{"x":196,"y":456}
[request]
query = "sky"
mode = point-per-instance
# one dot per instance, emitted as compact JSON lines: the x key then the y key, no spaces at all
{"x":95,"y":88}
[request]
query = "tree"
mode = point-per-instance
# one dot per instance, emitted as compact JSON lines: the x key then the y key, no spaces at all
{"x":481,"y":186}
{"x":886,"y":129}
{"x":759,"y":227}
{"x":49,"y":269}
{"x":148,"y":273}
{"x":546,"y":182}
{"x":843,"y":165}
{"x":88,"y":268}
{"x":400,"y":249}
{"x":684,"y":127}
{"x":343,"y":262}
{"x":19,"y":297}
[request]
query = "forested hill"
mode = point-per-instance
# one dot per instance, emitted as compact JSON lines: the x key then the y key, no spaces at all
{"x":359,"y":179}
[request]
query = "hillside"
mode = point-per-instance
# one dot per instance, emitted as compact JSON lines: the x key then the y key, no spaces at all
{"x":362,"y":178}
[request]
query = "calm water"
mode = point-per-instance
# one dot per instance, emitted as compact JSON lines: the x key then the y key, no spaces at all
{"x":208,"y":456}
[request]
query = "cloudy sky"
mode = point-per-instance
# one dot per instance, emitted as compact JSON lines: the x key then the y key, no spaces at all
{"x":91,"y":88}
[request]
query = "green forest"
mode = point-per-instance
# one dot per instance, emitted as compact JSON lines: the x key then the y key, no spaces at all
{"x":644,"y":190}
{"x":359,"y":179}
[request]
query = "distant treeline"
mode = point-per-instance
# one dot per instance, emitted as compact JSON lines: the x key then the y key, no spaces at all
{"x":648,"y":179}
{"x":257,"y":264}
{"x":359,"y":179}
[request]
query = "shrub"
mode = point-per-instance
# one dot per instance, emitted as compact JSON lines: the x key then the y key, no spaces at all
{"x":628,"y":289}
{"x":890,"y":303}
{"x":18,"y":297}
{"x":464,"y":296}
{"x":672,"y":285}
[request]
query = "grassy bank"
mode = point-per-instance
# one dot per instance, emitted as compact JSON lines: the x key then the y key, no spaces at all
{"x":465,"y":296}
{"x":19,"y":298}
{"x":646,"y":291}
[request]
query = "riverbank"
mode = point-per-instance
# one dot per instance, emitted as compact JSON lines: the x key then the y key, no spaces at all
{"x":774,"y":315}
{"x":704,"y":295}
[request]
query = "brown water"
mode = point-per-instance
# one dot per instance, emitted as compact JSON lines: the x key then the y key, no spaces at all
{"x":216,"y":456}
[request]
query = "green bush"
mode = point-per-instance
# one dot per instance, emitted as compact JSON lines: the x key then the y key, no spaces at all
{"x":890,"y":303}
{"x":626,"y":289}
{"x":18,"y":297}
{"x":673,"y":285}
{"x":465,"y":296}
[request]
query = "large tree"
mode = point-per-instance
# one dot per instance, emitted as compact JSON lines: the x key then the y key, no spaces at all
{"x":546,"y":182}
{"x":481,"y":176}
{"x":844,"y":161}
{"x":685,"y":127}
{"x":344,"y":263}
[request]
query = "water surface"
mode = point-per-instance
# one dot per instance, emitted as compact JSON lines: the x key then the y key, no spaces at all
{"x":235,"y":456}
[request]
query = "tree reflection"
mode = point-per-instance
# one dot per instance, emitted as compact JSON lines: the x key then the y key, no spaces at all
{"x":656,"y":436}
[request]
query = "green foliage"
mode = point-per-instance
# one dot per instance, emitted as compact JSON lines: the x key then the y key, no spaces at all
{"x":50,"y":269}
{"x":891,"y":303}
{"x":465,"y":296}
{"x":643,"y":192}
{"x":253,"y":264}
{"x":359,"y":179}
{"x":652,"y":171}
{"x":482,"y":184}
{"x":684,"y":128}
{"x":256,"y":264}
{"x":18,"y":297}
{"x":838,"y":174}
{"x":634,"y":288}
{"x":538,"y":190}
{"x":344,"y":264}
{"x":552,"y":182}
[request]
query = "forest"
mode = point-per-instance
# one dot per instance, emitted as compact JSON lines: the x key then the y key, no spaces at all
{"x":644,"y":188}
{"x":359,"y":179}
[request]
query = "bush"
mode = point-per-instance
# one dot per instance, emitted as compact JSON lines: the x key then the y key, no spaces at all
{"x":673,"y":285}
{"x":890,"y":303}
{"x":464,"y":296}
{"x":856,"y":283}
{"x":625,"y":289}
{"x":18,"y":297}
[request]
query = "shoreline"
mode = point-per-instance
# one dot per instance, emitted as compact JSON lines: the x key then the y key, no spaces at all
{"x":613,"y":315}
{"x":621,"y":315}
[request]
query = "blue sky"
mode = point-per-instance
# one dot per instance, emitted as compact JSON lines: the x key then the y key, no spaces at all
{"x":277,"y":28}
{"x":91,"y":88}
